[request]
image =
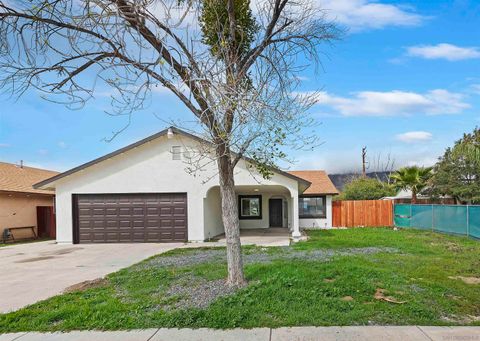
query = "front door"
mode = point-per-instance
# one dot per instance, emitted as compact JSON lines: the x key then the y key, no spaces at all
{"x":275,"y":212}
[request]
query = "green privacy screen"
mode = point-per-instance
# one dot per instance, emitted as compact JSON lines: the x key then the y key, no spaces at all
{"x":454,"y":219}
{"x":422,"y":217}
{"x":401,"y":215}
{"x":474,"y":221}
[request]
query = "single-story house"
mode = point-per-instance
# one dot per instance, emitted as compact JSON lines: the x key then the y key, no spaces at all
{"x":23,"y":206}
{"x":404,"y":196}
{"x":165,"y":188}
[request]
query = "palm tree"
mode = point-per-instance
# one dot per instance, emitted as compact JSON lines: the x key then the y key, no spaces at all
{"x":412,"y":178}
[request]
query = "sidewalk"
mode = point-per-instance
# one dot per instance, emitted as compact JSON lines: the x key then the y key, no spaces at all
{"x":370,"y":333}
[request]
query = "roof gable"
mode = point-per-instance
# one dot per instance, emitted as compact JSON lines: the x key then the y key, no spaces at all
{"x":320,"y":182}
{"x":146,"y":140}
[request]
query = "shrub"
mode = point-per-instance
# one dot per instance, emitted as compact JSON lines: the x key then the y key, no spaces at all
{"x":366,"y":189}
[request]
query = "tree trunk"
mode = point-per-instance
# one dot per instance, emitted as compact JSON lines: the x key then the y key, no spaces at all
{"x":230,"y":219}
{"x":414,"y":196}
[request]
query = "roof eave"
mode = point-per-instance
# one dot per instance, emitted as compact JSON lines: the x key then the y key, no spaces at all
{"x":27,"y":192}
{"x":322,"y":193}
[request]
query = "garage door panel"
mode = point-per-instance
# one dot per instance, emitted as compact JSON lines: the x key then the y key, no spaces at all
{"x":166,"y":211}
{"x":98,"y":211}
{"x":179,"y":211}
{"x":139,"y":217}
{"x":125,"y":211}
{"x":138,"y":211}
{"x":138,"y":224}
{"x":153,"y":211}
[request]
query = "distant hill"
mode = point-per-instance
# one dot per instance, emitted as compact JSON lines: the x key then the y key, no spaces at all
{"x":339,"y":180}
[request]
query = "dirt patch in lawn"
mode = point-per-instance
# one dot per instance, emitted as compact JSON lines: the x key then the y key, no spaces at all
{"x":464,"y":320}
{"x":195,"y":292}
{"x":380,"y":294}
{"x":85,"y":285}
{"x":347,"y":298}
{"x":467,"y":280}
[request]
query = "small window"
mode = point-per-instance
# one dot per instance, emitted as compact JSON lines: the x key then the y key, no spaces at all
{"x":250,"y":206}
{"x":312,"y":207}
{"x":176,"y":153}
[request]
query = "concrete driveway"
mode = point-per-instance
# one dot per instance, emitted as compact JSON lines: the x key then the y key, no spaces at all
{"x":36,"y":271}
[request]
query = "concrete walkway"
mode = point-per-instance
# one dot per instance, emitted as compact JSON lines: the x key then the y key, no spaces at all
{"x":368,"y":333}
{"x":273,"y":236}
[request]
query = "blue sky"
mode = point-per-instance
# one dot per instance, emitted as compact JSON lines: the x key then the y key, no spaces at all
{"x":404,"y":81}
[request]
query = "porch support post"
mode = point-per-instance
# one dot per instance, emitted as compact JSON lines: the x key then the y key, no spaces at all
{"x":295,"y":222}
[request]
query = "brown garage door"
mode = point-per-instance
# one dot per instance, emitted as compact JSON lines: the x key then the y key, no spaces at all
{"x":130,"y":218}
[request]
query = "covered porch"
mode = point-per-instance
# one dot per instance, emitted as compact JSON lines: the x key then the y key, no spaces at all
{"x":273,"y":236}
{"x":269,"y":211}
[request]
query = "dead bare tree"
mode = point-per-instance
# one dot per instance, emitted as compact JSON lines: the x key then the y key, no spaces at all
{"x":364,"y":161}
{"x":233,"y":64}
{"x":383,"y":166}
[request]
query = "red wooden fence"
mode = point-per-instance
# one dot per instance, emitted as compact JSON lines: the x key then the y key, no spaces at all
{"x":353,"y":213}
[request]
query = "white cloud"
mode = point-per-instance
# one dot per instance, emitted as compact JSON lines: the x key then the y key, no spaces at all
{"x":475,"y":88}
{"x":422,"y":162}
{"x":50,"y":166}
{"x":4,"y":145}
{"x":364,"y":14}
{"x":346,"y":161}
{"x":444,"y":51}
{"x":338,"y":162}
{"x":176,"y":16}
{"x":395,"y":103}
{"x":302,"y":78}
{"x":414,"y":136}
{"x":43,"y":151}
{"x":62,"y":144}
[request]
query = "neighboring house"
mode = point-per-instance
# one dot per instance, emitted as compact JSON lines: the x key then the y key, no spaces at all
{"x":164,"y":189}
{"x":404,"y":196}
{"x":21,"y":205}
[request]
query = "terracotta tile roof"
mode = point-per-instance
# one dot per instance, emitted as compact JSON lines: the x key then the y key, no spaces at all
{"x":14,"y":178}
{"x":321,"y":183}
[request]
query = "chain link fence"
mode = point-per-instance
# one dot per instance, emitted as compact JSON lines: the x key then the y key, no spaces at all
{"x":453,"y":219}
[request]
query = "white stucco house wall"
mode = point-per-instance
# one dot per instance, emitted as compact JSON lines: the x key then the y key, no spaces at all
{"x":164,"y":189}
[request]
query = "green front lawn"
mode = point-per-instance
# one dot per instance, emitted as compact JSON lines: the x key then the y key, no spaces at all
{"x":331,"y":279}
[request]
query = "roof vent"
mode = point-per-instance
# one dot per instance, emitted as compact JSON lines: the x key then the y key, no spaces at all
{"x":169,"y":133}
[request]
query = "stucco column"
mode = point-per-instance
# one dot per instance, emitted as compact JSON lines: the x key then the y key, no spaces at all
{"x":295,"y":222}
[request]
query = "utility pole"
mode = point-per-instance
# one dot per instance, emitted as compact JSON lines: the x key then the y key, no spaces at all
{"x":364,"y":162}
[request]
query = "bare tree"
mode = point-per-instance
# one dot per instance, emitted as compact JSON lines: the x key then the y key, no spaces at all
{"x":382,"y":166}
{"x":233,"y":64}
{"x":364,"y":161}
